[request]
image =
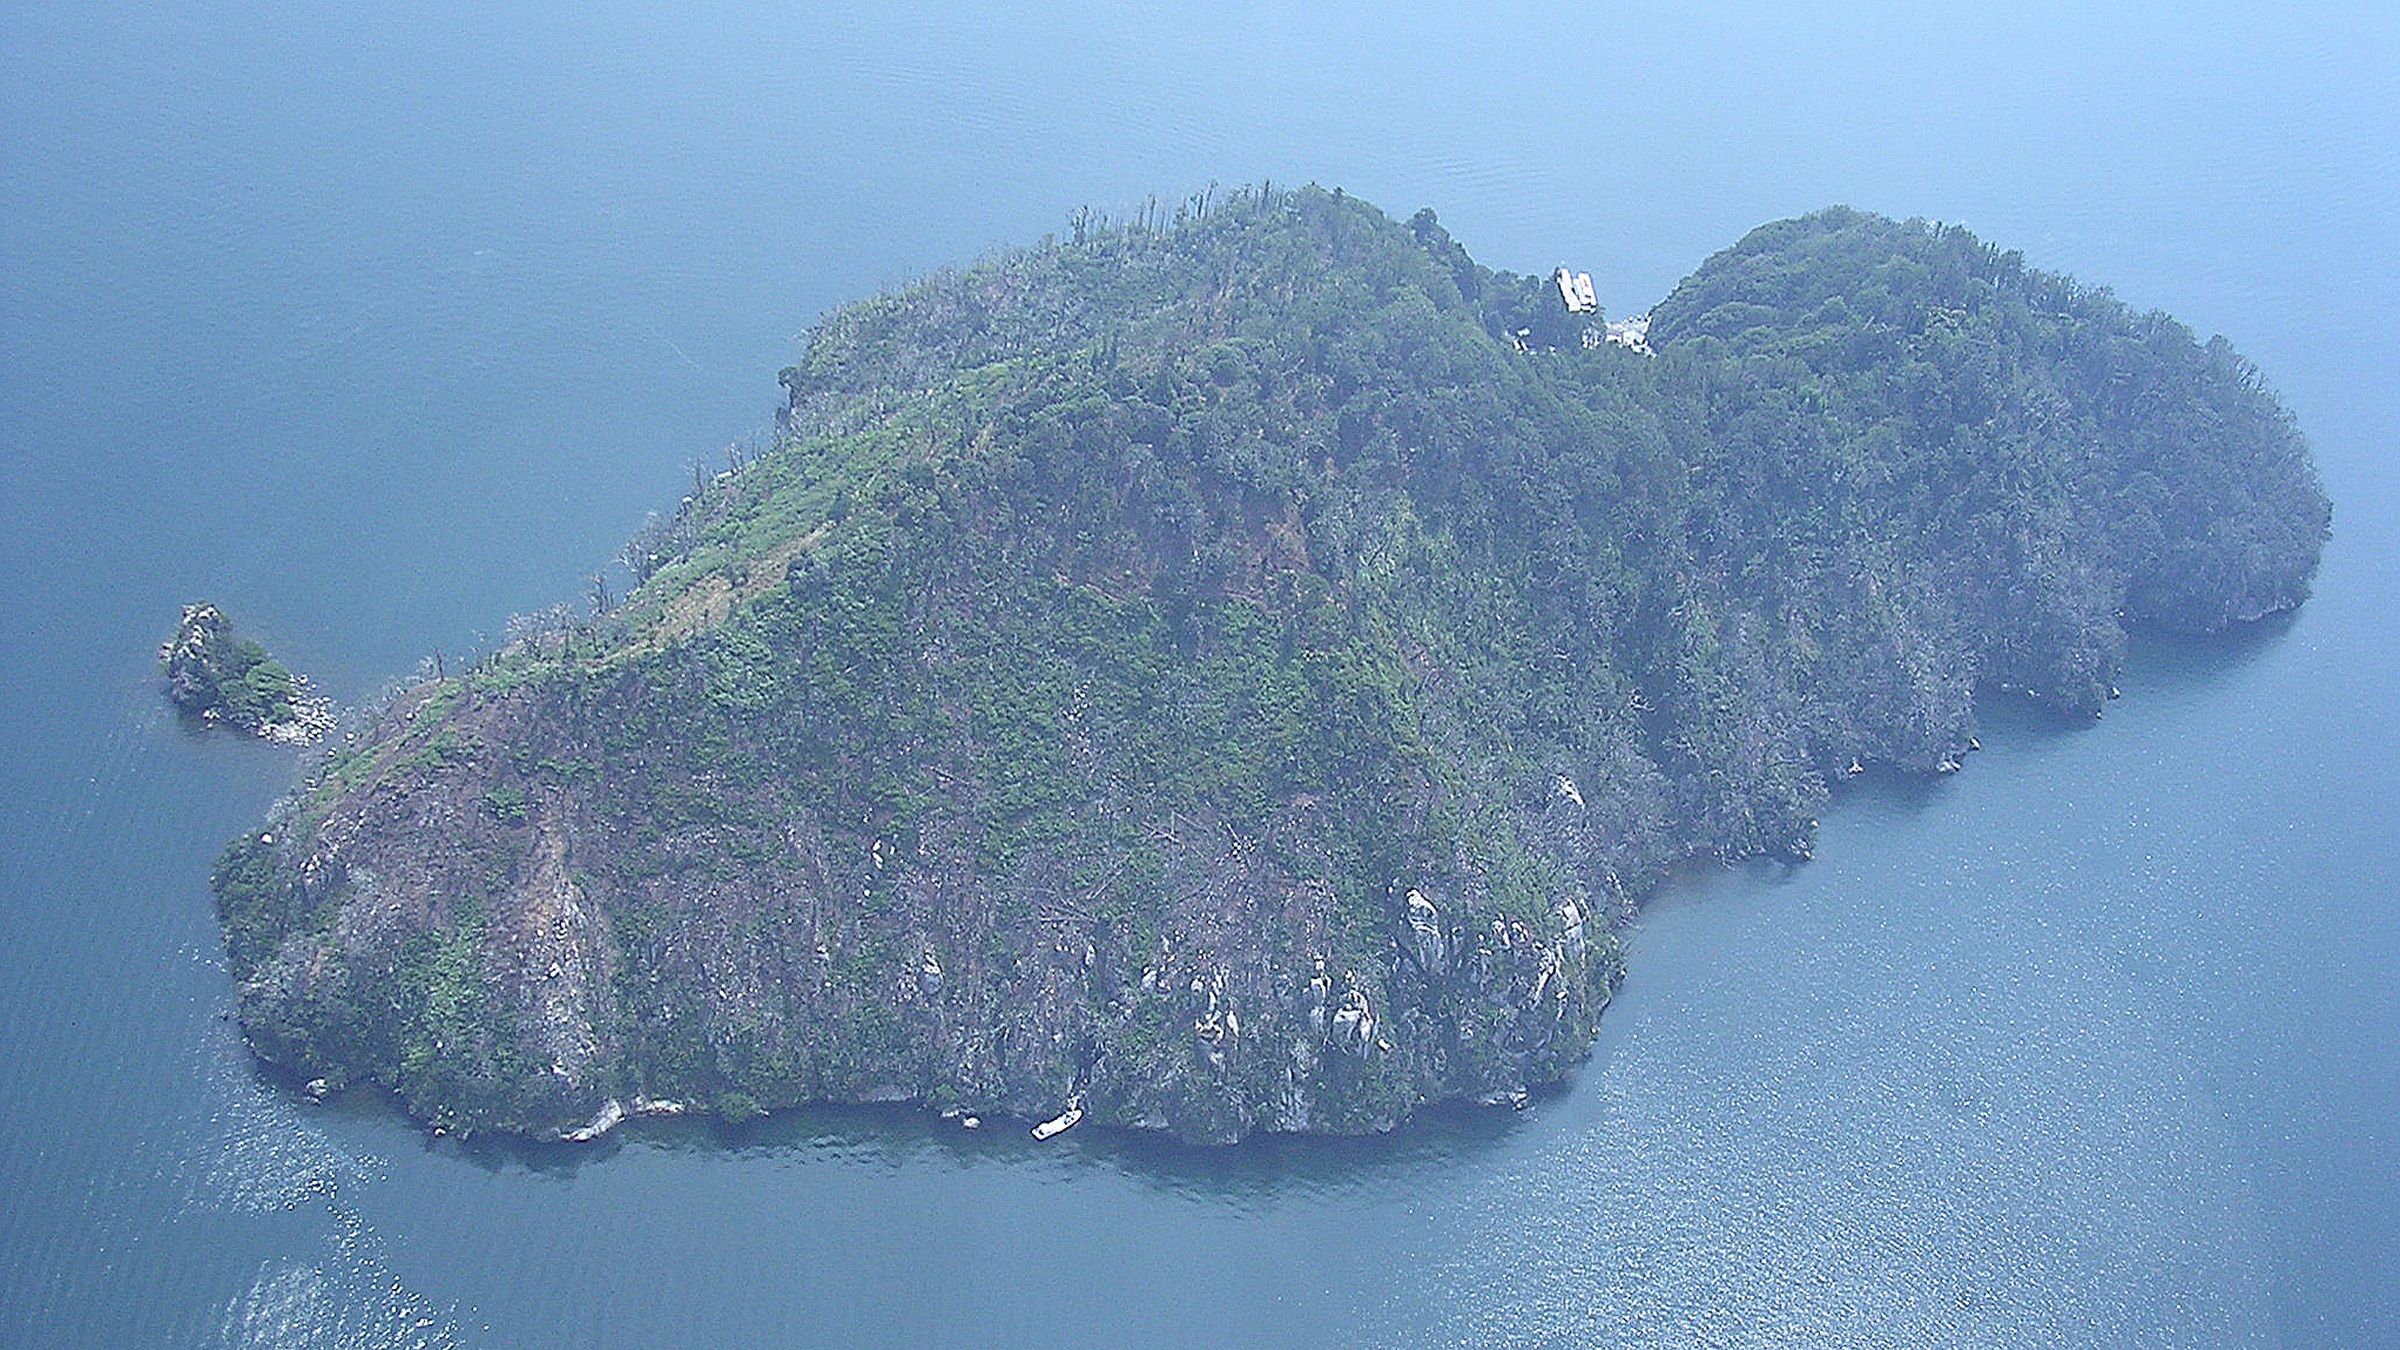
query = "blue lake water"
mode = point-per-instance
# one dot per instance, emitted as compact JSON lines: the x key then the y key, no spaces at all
{"x":379,"y":325}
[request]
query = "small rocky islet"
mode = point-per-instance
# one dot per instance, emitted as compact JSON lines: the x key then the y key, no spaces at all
{"x":1239,"y":671}
{"x":216,"y":678}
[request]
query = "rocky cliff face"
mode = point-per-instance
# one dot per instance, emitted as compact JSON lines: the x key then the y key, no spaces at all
{"x":1213,"y":676}
{"x":525,"y":967}
{"x":531,"y":962}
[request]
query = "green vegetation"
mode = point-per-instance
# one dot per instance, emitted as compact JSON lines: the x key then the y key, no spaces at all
{"x":506,"y":803}
{"x":257,"y":901}
{"x":1236,"y":669}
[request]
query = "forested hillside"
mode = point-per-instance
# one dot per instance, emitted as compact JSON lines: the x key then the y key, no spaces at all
{"x":1237,"y":672}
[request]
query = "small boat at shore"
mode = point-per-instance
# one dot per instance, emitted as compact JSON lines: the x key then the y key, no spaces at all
{"x":1058,"y":1124}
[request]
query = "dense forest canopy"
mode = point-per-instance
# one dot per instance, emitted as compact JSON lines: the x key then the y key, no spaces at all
{"x":1235,"y":671}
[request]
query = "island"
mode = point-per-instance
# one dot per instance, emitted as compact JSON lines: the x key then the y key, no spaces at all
{"x":1239,"y":669}
{"x":215,"y":678}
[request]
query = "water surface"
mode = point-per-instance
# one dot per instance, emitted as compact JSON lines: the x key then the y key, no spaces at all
{"x":381,"y":325}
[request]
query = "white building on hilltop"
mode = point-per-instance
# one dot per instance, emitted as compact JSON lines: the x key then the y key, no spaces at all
{"x":1576,"y":289}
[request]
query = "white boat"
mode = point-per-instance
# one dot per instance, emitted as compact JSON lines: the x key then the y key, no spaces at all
{"x":1058,"y":1124}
